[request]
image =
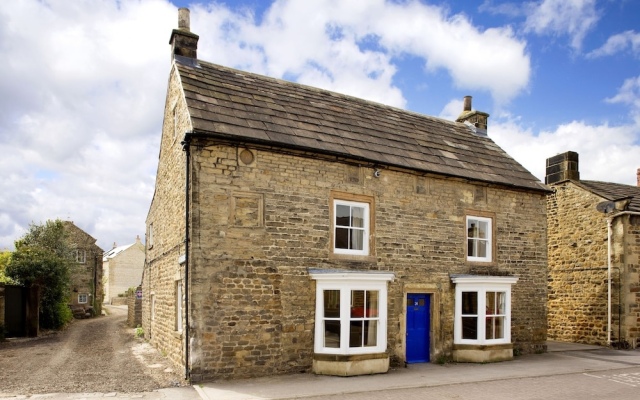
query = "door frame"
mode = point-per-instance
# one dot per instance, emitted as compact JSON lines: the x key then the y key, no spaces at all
{"x":434,"y":315}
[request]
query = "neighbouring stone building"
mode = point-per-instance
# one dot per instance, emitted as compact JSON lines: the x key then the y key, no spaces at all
{"x":594,"y":257}
{"x":293,"y":229}
{"x":122,"y":269}
{"x":85,"y":295}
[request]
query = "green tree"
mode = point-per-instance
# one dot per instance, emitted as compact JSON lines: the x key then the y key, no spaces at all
{"x":43,"y":258}
{"x":5,"y":257}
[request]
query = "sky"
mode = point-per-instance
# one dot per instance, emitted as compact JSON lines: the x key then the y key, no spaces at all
{"x":83,"y":85}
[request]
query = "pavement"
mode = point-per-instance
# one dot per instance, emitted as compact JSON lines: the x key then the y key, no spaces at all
{"x":560,"y":359}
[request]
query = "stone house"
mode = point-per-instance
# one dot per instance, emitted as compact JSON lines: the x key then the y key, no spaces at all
{"x":86,"y":276}
{"x":122,"y":268}
{"x":594,"y":257}
{"x":293,"y":229}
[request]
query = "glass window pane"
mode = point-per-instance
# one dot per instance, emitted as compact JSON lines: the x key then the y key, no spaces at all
{"x":357,"y":218}
{"x":495,"y":328}
{"x":491,"y":303}
{"x":357,"y":303}
{"x":355,"y":333}
{"x":482,"y":229}
{"x":332,"y":334}
{"x":342,"y":238}
{"x":332,"y":304}
{"x":500,"y":302}
{"x":343,"y":215}
{"x":482,"y":248}
{"x":469,"y":303}
{"x":357,"y":239}
{"x":372,"y":304}
{"x":370,"y":334}
{"x":470,"y":328}
{"x":471,"y":251}
{"x":472,"y":228}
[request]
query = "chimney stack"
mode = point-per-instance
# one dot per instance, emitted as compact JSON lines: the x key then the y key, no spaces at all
{"x":562,"y":167}
{"x":477,"y":120}
{"x":183,"y":42}
{"x":638,"y":177}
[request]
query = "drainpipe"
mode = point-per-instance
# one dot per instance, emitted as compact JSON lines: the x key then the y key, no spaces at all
{"x":609,"y":266}
{"x":186,"y":147}
{"x":609,"y":237}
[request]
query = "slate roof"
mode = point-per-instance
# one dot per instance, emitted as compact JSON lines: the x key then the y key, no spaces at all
{"x":238,"y":106}
{"x":115,"y":251}
{"x":613,"y":191}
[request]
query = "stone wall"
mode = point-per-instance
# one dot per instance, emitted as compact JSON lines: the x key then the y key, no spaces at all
{"x":123,"y":271}
{"x":134,"y":306}
{"x":249,"y":267}
{"x":577,"y":241}
{"x":86,"y":277}
{"x":166,"y":220}
{"x":630,"y":262}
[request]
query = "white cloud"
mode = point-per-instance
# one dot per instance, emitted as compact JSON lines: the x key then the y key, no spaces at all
{"x":79,"y":134}
{"x":574,"y":18}
{"x":351,"y":47}
{"x":604,"y":151}
{"x":617,"y":44}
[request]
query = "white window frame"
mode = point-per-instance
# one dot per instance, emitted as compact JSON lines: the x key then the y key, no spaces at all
{"x":86,"y":298}
{"x":488,"y":239}
{"x":481,"y":285}
{"x":366,"y":229}
{"x":346,"y":282}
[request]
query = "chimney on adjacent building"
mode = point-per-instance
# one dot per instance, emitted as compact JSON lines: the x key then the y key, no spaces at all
{"x":638,"y":177}
{"x":562,"y":167}
{"x":476,"y":120}
{"x":183,"y":42}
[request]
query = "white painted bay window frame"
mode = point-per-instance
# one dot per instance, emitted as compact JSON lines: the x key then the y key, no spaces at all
{"x":482,"y":285}
{"x":346,"y":283}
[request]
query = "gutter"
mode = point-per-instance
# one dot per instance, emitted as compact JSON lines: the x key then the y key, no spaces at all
{"x":609,"y":266}
{"x":186,"y":147}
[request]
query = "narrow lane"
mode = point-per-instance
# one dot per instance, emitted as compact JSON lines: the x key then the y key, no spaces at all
{"x":92,"y":355}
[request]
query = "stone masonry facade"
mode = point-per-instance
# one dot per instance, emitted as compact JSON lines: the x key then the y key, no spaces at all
{"x":86,"y":274}
{"x":578,"y":270}
{"x":123,"y":271}
{"x":259,"y":222}
{"x":577,"y":241}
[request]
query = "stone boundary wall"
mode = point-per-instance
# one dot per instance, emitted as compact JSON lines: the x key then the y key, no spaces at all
{"x":134,"y":317}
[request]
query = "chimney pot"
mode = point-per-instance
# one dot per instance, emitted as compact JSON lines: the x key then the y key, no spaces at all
{"x":466,"y":105}
{"x":184,"y":22}
{"x":184,"y":43}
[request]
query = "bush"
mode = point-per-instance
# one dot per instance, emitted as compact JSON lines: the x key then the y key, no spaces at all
{"x":139,"y":332}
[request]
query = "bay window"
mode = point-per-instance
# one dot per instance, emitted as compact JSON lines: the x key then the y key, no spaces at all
{"x":482,"y":309}
{"x":351,"y":312}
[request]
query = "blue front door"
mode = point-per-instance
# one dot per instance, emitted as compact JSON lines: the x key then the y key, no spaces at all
{"x":418,"y":318}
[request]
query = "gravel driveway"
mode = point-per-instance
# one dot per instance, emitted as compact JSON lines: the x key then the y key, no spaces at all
{"x":91,"y":355}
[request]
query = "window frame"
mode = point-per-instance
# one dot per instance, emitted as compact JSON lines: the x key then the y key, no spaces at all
{"x":150,"y":236}
{"x":482,"y":285}
{"x":489,"y":240}
{"x":86,"y":298}
{"x":81,"y":256}
{"x":346,"y":283}
{"x":352,"y":200}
